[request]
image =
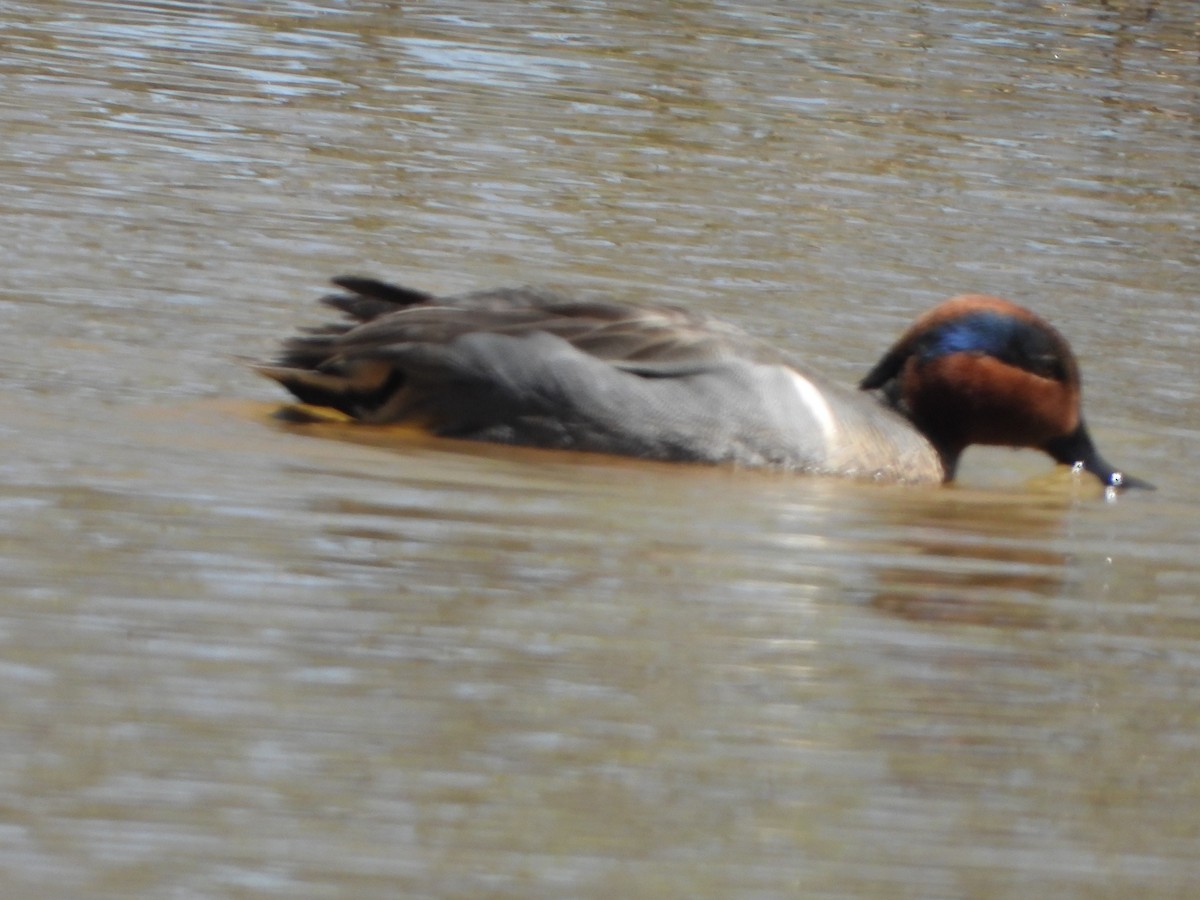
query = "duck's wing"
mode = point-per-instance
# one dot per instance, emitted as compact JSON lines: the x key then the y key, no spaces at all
{"x":634,"y":337}
{"x":527,"y":366}
{"x":397,"y":337}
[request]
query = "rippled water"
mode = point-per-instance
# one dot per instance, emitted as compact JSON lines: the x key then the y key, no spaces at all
{"x":243,"y":658}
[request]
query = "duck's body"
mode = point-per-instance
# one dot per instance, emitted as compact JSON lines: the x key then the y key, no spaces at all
{"x":534,"y":368}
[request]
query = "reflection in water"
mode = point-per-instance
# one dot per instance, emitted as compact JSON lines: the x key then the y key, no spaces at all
{"x":995,"y":567}
{"x":242,"y":656}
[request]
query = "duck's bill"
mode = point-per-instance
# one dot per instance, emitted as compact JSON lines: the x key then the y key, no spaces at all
{"x":1121,"y":481}
{"x":1076,"y":449}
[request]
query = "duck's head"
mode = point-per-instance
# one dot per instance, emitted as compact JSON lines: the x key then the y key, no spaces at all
{"x":981,"y":370}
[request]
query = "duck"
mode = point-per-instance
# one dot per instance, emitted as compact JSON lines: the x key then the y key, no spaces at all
{"x":535,"y":367}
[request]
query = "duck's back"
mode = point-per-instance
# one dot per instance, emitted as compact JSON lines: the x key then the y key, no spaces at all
{"x":534,"y":368}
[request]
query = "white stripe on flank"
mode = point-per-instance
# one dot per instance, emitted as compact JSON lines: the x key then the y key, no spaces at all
{"x":816,"y":404}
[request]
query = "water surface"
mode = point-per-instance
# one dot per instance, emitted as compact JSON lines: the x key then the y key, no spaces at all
{"x":243,"y":658}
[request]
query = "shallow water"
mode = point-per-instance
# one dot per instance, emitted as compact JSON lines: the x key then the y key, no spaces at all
{"x":244,"y":658}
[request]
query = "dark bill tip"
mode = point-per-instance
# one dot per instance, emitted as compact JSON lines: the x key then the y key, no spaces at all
{"x":1121,"y":481}
{"x":1077,"y":449}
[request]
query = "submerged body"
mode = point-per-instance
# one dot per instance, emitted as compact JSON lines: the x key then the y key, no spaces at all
{"x":523,"y":366}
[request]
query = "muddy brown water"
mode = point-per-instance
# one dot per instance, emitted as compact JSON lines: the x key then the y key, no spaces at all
{"x":242,"y":658}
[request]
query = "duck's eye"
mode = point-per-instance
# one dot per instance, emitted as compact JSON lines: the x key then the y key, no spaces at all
{"x":1020,"y":343}
{"x":1048,"y":366}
